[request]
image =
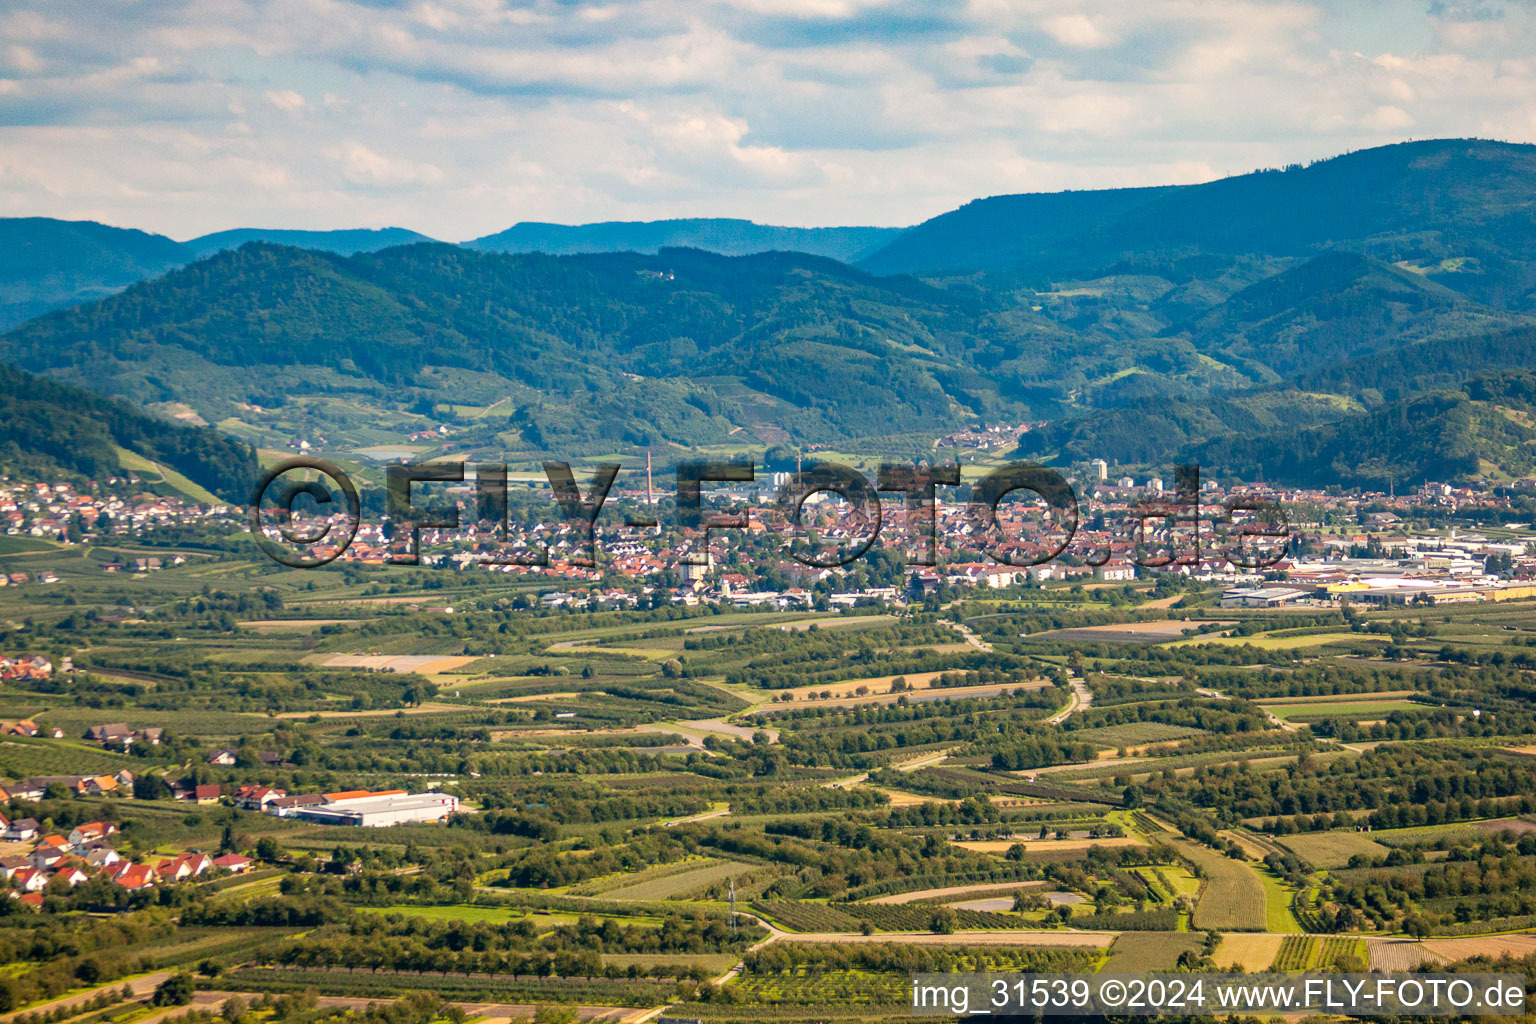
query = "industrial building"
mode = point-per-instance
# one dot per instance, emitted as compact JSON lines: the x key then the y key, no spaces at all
{"x":382,"y":810}
{"x":1260,"y":597}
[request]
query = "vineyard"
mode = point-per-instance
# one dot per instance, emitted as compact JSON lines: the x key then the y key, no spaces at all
{"x":914,"y":917}
{"x":21,"y":757}
{"x":1332,"y":849}
{"x":601,"y":992}
{"x":656,"y":817}
{"x":1305,"y":953}
{"x":799,"y":916}
{"x":1140,"y":952}
{"x":1162,"y":920}
{"x":805,"y":916}
{"x":829,"y":988}
{"x":670,"y":881}
{"x":1231,"y":894}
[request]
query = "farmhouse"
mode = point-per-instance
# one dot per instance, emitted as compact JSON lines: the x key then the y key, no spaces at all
{"x":112,"y":732}
{"x":23,"y":828}
{"x":287,"y":806}
{"x":255,"y":797}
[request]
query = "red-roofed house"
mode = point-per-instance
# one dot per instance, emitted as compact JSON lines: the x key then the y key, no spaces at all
{"x":102,"y":856}
{"x":90,"y":832}
{"x":188,"y":865}
{"x":73,"y":875}
{"x":46,"y":856}
{"x":257,"y":798}
{"x":136,"y":876}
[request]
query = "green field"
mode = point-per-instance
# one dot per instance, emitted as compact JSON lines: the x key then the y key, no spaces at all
{"x":1342,"y":709}
{"x":1143,"y":952}
{"x":671,"y":881}
{"x":154,"y":471}
{"x":24,"y":545}
{"x":1266,"y":642}
{"x":1331,"y":849}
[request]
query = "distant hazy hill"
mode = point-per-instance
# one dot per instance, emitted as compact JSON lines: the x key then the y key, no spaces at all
{"x":345,"y":241}
{"x":726,"y":236}
{"x":45,"y":264}
{"x":1465,"y":201}
{"x":49,"y":264}
{"x":47,"y":426}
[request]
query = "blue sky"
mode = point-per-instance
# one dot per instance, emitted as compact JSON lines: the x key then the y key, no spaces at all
{"x":460,"y":117}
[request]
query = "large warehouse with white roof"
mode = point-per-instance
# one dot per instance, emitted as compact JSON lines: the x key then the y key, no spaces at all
{"x":383,"y":810}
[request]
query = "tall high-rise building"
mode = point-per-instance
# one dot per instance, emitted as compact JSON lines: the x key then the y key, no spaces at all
{"x":1099,"y":470}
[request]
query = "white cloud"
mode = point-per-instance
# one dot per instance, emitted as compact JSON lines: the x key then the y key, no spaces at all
{"x":456,"y":117}
{"x":23,"y":59}
{"x":1075,"y":30}
{"x":286,"y":99}
{"x":363,"y":166}
{"x":1387,"y":118}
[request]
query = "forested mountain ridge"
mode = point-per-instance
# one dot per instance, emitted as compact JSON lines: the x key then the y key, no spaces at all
{"x":48,"y":264}
{"x":1339,"y":305}
{"x":45,"y":263}
{"x":1461,"y":208}
{"x":344,"y":241}
{"x":48,"y":427}
{"x":723,"y":235}
{"x":534,"y":353}
{"x":1307,"y":306}
{"x":1485,"y":430}
{"x":684,"y":346}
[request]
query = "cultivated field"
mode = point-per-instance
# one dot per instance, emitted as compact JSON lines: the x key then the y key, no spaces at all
{"x":664,"y":883}
{"x":1247,"y":951}
{"x":1331,"y":849}
{"x":1142,"y":952}
{"x":1232,"y":896}
{"x":1357,"y":709}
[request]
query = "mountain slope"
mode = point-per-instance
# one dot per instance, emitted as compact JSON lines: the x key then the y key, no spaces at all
{"x":1153,"y":431}
{"x":1004,"y":232}
{"x":1484,"y":432}
{"x":1430,"y":365}
{"x":1337,"y":306}
{"x":48,"y":427}
{"x":345,"y":241}
{"x":684,"y":346}
{"x":726,"y":236}
{"x":45,"y":263}
{"x":1464,"y":201}
{"x":48,"y":264}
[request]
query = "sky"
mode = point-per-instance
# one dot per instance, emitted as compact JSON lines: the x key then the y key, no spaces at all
{"x":457,"y":118}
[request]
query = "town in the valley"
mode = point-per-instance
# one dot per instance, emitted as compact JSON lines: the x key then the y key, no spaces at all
{"x":708,"y":777}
